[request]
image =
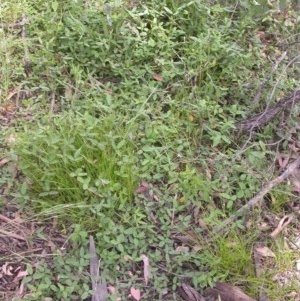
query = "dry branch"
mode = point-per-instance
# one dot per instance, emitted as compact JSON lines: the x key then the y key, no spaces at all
{"x":98,"y":285}
{"x":263,"y":118}
{"x":259,"y":196}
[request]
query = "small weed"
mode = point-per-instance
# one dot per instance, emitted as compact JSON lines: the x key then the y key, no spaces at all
{"x":65,"y":277}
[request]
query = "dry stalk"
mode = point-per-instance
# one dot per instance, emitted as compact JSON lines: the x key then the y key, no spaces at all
{"x":259,"y":196}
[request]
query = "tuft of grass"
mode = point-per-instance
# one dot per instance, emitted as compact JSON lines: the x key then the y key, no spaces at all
{"x":234,"y":253}
{"x":78,"y":158}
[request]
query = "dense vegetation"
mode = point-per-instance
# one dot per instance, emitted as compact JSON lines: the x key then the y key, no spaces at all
{"x":124,"y":128}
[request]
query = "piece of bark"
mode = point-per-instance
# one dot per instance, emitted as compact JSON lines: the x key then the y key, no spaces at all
{"x":188,"y":293}
{"x":98,"y":284}
{"x":226,"y":292}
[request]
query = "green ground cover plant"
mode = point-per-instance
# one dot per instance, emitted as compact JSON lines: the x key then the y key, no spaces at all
{"x":127,"y":132}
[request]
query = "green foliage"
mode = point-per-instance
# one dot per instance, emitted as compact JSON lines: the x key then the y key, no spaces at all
{"x":141,"y":93}
{"x":64,"y":278}
{"x":79,"y":158}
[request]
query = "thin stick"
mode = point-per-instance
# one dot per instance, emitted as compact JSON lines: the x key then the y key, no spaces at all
{"x":15,"y":25}
{"x":13,"y":235}
{"x":6,"y":219}
{"x":263,"y":118}
{"x":259,"y":196}
{"x":265,"y":83}
{"x":98,"y":283}
{"x":26,"y":62}
{"x":52,"y":104}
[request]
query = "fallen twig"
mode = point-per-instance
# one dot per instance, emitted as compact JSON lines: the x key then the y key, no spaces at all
{"x":98,"y":285}
{"x":52,"y":104}
{"x":259,"y":120}
{"x":263,"y":118}
{"x":26,"y":60}
{"x":259,"y":196}
{"x":6,"y":219}
{"x":265,"y":83}
{"x":15,"y":25}
{"x":13,"y":235}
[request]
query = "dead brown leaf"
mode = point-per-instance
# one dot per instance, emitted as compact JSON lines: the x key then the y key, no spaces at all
{"x":144,"y":187}
{"x":10,"y":139}
{"x":284,"y":222}
{"x":7,"y":268}
{"x":158,"y":77}
{"x":146,"y":268}
{"x":135,"y":293}
{"x":264,"y":252}
{"x":4,"y":161}
{"x":182,"y":249}
{"x":111,"y":289}
{"x":283,"y":160}
{"x":22,"y":274}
